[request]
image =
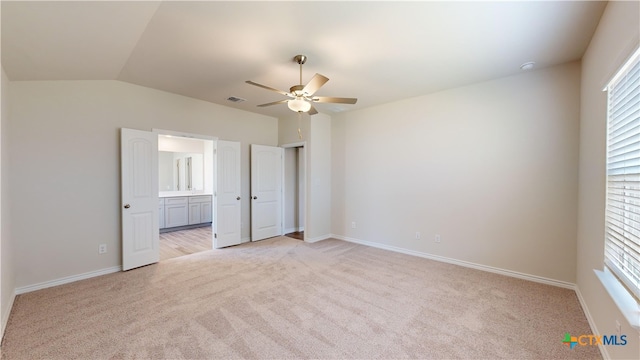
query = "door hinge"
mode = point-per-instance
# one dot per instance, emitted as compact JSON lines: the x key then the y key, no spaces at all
{"x":215,"y":235}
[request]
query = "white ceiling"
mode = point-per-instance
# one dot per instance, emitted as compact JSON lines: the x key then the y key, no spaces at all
{"x":376,"y":51}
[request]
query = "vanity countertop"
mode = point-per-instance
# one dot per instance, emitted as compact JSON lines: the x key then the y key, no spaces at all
{"x":166,"y":194}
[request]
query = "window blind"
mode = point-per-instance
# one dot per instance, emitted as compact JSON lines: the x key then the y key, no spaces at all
{"x":622,"y":226}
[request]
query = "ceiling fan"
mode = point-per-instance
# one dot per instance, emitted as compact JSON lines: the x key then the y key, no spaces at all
{"x":301,"y":96}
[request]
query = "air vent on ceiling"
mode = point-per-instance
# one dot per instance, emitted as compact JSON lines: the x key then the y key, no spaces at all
{"x":235,"y":99}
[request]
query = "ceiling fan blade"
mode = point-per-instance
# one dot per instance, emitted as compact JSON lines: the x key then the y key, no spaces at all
{"x":273,"y":103}
{"x":314,"y":84}
{"x":312,"y":111}
{"x":338,"y":100}
{"x":268,"y":88}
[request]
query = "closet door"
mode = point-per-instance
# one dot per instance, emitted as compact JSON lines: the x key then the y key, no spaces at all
{"x":266,"y":191}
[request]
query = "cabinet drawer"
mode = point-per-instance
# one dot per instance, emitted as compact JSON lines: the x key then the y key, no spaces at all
{"x":175,"y":201}
{"x":199,"y":199}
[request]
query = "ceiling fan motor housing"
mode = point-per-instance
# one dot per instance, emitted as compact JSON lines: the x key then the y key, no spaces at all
{"x":297,"y":90}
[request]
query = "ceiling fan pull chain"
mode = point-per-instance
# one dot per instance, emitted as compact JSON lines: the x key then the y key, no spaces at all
{"x":299,"y":123}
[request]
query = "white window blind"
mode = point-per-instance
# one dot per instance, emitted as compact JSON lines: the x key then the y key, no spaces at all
{"x":622,"y":228}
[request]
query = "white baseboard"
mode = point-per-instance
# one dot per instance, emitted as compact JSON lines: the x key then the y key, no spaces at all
{"x":519,"y":275}
{"x":592,"y":323}
{"x":5,"y":316}
{"x":318,"y":238}
{"x":66,"y":280}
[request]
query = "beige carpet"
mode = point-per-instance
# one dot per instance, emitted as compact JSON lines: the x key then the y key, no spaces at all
{"x":283,"y":298}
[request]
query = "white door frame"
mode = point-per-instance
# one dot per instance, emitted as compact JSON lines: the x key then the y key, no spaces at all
{"x":302,"y":144}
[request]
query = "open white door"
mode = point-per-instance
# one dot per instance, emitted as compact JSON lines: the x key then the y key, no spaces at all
{"x":139,"y":176}
{"x":227,"y":223}
{"x":266,"y":191}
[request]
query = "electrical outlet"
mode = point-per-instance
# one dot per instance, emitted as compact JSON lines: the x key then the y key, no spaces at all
{"x":353,"y":224}
{"x":417,"y":235}
{"x":102,"y":248}
{"x":437,"y":238}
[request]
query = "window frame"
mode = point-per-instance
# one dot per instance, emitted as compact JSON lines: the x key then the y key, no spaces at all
{"x":622,"y":243}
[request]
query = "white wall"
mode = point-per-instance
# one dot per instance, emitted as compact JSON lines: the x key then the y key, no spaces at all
{"x":618,"y":34}
{"x":491,"y":167}
{"x":6,"y":244}
{"x":65,"y":174}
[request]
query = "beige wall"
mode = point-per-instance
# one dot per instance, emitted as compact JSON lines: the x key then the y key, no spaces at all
{"x":615,"y":39}
{"x":6,"y":248}
{"x":288,"y":129}
{"x":65,"y":168}
{"x":318,"y":225}
{"x":491,"y":167}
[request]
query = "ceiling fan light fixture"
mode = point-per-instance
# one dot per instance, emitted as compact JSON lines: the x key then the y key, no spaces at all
{"x":299,"y":105}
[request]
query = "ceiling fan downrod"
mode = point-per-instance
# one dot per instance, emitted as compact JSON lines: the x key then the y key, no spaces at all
{"x":300,"y":59}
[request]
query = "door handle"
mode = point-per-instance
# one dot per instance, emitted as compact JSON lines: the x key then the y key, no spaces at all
{"x":255,"y":198}
{"x":126,"y":206}
{"x":238,"y":198}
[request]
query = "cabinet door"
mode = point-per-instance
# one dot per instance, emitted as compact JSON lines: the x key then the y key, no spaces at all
{"x":161,"y":216}
{"x":194,"y":213}
{"x":205,"y":212}
{"x":176,"y":215}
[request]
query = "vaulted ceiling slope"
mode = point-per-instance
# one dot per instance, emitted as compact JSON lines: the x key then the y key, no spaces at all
{"x":376,"y":51}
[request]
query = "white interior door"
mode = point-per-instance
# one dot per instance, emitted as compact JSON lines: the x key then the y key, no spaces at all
{"x":227,"y":213}
{"x":266,"y":191}
{"x":139,"y":176}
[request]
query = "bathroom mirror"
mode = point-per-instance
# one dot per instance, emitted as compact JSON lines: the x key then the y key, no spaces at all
{"x":180,"y":171}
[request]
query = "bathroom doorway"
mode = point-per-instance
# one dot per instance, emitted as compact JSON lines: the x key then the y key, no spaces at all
{"x":186,"y":182}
